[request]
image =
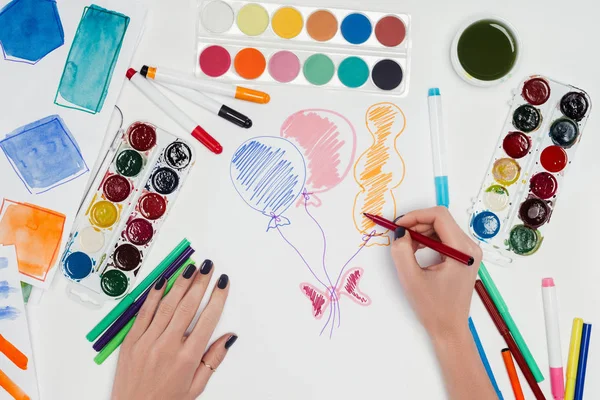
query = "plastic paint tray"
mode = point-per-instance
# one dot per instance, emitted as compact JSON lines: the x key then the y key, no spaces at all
{"x":387,"y":41}
{"x":121,"y":216}
{"x":524,"y":178}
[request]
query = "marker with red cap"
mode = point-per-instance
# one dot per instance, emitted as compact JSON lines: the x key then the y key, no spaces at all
{"x":173,"y":111}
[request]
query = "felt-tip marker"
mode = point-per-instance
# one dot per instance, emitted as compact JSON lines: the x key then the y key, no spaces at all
{"x":225,"y":89}
{"x":438,"y":146}
{"x":173,"y":111}
{"x":211,"y":105}
{"x":557,"y":380}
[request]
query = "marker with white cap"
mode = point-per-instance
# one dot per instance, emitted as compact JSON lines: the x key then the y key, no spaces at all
{"x":557,"y":380}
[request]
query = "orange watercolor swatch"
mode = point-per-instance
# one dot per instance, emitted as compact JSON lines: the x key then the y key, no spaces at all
{"x":15,"y":355}
{"x":36,"y":233}
{"x":11,"y":387}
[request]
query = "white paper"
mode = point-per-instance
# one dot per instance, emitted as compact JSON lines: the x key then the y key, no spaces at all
{"x":27,"y":95}
{"x":14,"y":327}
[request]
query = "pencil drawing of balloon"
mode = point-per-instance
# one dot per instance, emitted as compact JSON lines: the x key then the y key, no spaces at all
{"x":269,"y":174}
{"x":328,"y":141}
{"x":379,"y":170}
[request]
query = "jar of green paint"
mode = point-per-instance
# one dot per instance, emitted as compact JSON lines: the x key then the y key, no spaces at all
{"x":485,"y":51}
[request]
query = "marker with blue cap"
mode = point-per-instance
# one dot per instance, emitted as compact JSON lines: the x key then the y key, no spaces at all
{"x":438,"y":147}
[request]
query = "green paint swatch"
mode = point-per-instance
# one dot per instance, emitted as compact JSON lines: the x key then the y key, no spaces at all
{"x":353,"y":72}
{"x":318,"y":69}
{"x":129,"y":163}
{"x":524,"y":240}
{"x":487,"y":50}
{"x":114,"y":283}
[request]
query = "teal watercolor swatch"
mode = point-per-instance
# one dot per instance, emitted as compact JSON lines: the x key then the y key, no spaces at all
{"x":92,"y":59}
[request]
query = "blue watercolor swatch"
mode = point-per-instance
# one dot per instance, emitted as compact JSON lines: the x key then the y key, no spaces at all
{"x":3,"y":262}
{"x":6,"y":290}
{"x":92,"y":59}
{"x":30,"y":29}
{"x":269,"y":174}
{"x":44,"y":154}
{"x":9,"y":312}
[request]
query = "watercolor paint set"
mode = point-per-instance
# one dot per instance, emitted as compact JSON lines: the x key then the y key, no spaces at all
{"x":120,"y":217}
{"x":331,"y":48}
{"x":520,"y":189}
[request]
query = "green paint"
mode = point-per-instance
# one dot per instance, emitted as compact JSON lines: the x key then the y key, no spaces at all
{"x":353,"y":72}
{"x":26,"y":289}
{"x":129,"y":163}
{"x":487,"y":50}
{"x":318,"y":69}
{"x":114,"y":283}
{"x":501,"y":190}
{"x":524,"y":240}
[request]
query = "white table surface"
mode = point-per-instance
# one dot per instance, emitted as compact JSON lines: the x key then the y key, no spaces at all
{"x":559,"y":40}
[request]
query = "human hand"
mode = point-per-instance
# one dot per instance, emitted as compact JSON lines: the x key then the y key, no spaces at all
{"x":156,"y":360}
{"x":440,"y":294}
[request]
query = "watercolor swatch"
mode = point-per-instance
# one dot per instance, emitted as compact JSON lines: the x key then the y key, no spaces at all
{"x":35,"y":232}
{"x":94,"y":53}
{"x":17,"y":369}
{"x":30,"y":30}
{"x":44,"y":154}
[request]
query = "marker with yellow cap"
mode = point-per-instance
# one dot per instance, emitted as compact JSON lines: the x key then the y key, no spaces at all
{"x":573,"y":360}
{"x":164,"y":75}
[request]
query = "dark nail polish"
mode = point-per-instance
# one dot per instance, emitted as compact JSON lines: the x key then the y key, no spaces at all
{"x":399,"y":217}
{"x":206,"y":267}
{"x":230,"y":341}
{"x":399,"y":232}
{"x":189,"y":271}
{"x":223,"y":281}
{"x":160,"y":283}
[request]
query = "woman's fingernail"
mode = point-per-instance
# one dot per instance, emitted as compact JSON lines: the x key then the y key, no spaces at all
{"x":160,"y":283}
{"x":206,"y":267}
{"x":230,"y":341}
{"x":399,"y":232}
{"x":399,"y":217}
{"x":189,"y":271}
{"x":223,"y":280}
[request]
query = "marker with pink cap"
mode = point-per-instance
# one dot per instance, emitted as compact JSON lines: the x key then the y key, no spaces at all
{"x":557,"y":380}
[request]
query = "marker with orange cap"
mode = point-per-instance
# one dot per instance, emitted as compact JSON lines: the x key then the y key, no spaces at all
{"x":173,"y":111}
{"x":225,"y":89}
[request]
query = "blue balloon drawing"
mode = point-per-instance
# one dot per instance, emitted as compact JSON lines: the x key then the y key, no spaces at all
{"x":269,"y":174}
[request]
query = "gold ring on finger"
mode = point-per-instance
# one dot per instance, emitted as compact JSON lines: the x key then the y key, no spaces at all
{"x":209,"y":366}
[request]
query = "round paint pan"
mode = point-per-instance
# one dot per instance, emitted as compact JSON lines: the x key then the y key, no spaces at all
{"x":91,"y":239}
{"x":516,"y":144}
{"x":544,"y":185}
{"x":77,"y":266}
{"x":127,"y":257}
{"x":142,"y":136}
{"x":534,"y":212}
{"x":116,"y":188}
{"x":496,"y":198}
{"x":103,"y":214}
{"x":574,"y":105}
{"x":129,"y":163}
{"x":524,"y":240}
{"x":485,"y":225}
{"x":165,"y":180}
{"x":486,"y":51}
{"x":178,"y":155}
{"x":152,"y":206}
{"x":139,"y":231}
{"x":506,"y":171}
{"x":536,"y":91}
{"x":114,"y":283}
{"x":322,"y":25}
{"x":564,"y":132}
{"x":217,"y":16}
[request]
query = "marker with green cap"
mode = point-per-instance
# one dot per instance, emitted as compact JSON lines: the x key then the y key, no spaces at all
{"x":135,"y":293}
{"x":503,"y":309}
{"x":120,"y":337}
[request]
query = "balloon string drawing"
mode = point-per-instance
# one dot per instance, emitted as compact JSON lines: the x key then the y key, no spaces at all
{"x":314,"y":154}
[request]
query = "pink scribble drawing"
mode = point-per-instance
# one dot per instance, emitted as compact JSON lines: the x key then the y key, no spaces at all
{"x":328,"y":141}
{"x":321,"y":300}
